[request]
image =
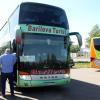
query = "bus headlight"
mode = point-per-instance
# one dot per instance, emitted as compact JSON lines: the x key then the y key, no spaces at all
{"x":66,"y":75}
{"x":25,"y":77}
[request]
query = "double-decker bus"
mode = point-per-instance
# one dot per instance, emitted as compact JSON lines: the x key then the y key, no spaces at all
{"x":95,"y":52}
{"x":39,"y":35}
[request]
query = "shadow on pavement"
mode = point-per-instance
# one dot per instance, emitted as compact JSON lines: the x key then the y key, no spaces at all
{"x":80,"y":90}
{"x":77,"y":90}
{"x":98,"y":70}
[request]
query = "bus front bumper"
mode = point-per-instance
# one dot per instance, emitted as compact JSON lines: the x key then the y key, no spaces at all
{"x":40,"y":83}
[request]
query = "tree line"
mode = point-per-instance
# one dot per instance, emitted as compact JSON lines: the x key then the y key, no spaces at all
{"x":95,"y":32}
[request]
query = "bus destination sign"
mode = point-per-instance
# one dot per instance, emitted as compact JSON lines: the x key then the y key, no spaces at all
{"x":43,"y":29}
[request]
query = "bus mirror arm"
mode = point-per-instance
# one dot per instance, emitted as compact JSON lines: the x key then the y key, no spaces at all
{"x":78,"y":37}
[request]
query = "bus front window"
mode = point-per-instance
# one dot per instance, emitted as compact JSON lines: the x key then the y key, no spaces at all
{"x":44,"y":48}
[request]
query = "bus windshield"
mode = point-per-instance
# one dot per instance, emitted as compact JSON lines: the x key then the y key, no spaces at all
{"x":44,"y":47}
{"x":97,"y":43}
{"x":45,"y":15}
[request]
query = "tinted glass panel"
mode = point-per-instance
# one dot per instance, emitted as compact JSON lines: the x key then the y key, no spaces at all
{"x":97,"y":44}
{"x":31,"y":13}
{"x":44,"y":47}
{"x":40,"y":51}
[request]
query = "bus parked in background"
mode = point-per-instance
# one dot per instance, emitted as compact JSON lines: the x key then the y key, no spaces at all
{"x":95,"y":52}
{"x":39,"y":35}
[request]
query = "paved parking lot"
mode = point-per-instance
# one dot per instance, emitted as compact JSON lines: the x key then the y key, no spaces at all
{"x":89,"y":75}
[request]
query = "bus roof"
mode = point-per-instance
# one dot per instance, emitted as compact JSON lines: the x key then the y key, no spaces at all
{"x":46,"y":5}
{"x":35,"y":4}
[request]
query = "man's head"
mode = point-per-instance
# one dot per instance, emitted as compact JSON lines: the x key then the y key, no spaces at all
{"x":8,"y":50}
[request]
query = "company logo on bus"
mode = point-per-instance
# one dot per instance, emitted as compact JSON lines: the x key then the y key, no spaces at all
{"x":49,"y":77}
{"x":49,"y":71}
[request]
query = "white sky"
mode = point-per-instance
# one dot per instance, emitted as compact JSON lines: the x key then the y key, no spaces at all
{"x":82,"y":14}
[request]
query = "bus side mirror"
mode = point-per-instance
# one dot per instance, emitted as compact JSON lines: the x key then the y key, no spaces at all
{"x":78,"y":37}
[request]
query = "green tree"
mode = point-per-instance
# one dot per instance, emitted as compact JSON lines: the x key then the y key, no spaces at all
{"x":95,"y":32}
{"x":74,"y":48}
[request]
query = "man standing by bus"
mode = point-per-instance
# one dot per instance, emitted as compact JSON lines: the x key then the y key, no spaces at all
{"x":7,"y":61}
